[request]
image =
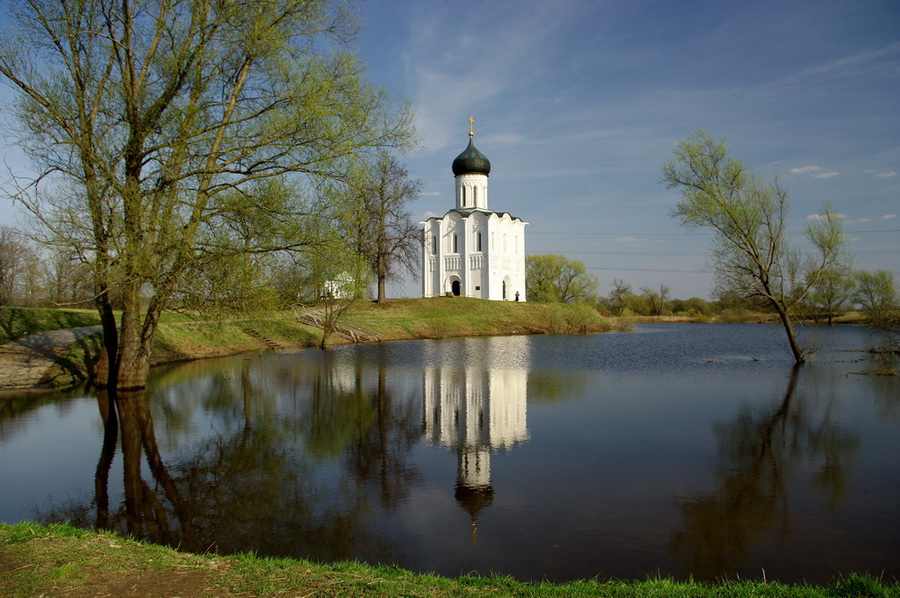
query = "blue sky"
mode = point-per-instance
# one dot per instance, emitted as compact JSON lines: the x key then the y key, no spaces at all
{"x":577,"y":103}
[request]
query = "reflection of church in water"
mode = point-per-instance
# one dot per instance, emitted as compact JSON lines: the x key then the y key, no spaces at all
{"x":473,"y":410}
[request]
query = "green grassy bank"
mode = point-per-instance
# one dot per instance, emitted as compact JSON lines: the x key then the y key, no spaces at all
{"x":184,"y":337}
{"x":18,"y":322}
{"x":180,"y":337}
{"x":60,"y":560}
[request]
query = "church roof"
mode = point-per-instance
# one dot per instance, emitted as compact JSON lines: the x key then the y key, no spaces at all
{"x":471,"y":161}
{"x":466,"y":212}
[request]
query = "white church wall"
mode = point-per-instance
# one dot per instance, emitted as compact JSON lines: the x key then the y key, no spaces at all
{"x":506,"y":257}
{"x":477,"y":227}
{"x":432,"y":258}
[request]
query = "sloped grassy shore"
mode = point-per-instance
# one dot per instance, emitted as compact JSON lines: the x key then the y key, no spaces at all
{"x":59,"y":560}
{"x":397,"y":319}
{"x":183,"y":337}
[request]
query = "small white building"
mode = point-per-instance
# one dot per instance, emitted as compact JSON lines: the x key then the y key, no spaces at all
{"x":473,"y":251}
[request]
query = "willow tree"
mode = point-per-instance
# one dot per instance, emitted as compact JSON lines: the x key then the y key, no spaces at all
{"x":751,"y":255}
{"x":877,"y":295}
{"x":559,"y":279}
{"x":145,"y":118}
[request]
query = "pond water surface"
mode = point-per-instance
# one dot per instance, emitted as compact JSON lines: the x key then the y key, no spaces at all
{"x":678,"y":449}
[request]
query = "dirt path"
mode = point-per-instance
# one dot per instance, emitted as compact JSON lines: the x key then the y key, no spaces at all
{"x":25,"y":363}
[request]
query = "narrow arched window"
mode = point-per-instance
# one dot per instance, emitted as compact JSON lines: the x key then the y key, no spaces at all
{"x":434,"y":245}
{"x":455,"y":244}
{"x":478,"y":242}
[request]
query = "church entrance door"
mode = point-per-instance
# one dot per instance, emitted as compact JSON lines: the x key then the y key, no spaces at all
{"x":454,"y":287}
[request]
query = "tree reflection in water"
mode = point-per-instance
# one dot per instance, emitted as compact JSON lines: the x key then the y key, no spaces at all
{"x":158,"y":512}
{"x":378,"y":458}
{"x":268,"y":480}
{"x":758,"y":453}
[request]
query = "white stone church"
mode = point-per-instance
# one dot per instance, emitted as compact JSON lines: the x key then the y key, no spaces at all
{"x":473,"y":251}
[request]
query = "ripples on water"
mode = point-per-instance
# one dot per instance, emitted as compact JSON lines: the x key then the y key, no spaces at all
{"x":685,"y":450}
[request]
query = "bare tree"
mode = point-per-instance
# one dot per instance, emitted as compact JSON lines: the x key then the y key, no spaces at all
{"x":65,"y":279}
{"x":619,"y":295}
{"x":16,"y":259}
{"x":656,"y":301}
{"x":375,"y":215}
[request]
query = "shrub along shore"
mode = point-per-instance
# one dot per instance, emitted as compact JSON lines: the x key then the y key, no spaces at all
{"x":59,"y":560}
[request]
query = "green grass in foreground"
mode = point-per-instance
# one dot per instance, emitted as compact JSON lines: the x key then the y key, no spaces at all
{"x":60,"y":560}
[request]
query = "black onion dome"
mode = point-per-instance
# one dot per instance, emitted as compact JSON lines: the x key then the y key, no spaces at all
{"x":471,"y":161}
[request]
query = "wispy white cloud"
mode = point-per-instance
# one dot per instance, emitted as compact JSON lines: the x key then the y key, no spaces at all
{"x":489,"y":54}
{"x":881,"y":173}
{"x":867,"y":61}
{"x":816,"y":172}
{"x":823,"y":217}
{"x":627,"y":240}
{"x":888,"y":216}
{"x":805,"y":169}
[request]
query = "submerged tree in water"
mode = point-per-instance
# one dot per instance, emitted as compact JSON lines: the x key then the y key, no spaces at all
{"x":750,"y":254}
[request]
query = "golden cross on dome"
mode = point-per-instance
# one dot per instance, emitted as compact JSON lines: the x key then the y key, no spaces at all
{"x":471,"y":129}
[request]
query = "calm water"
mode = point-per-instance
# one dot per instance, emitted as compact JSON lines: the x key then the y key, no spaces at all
{"x":677,"y":449}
